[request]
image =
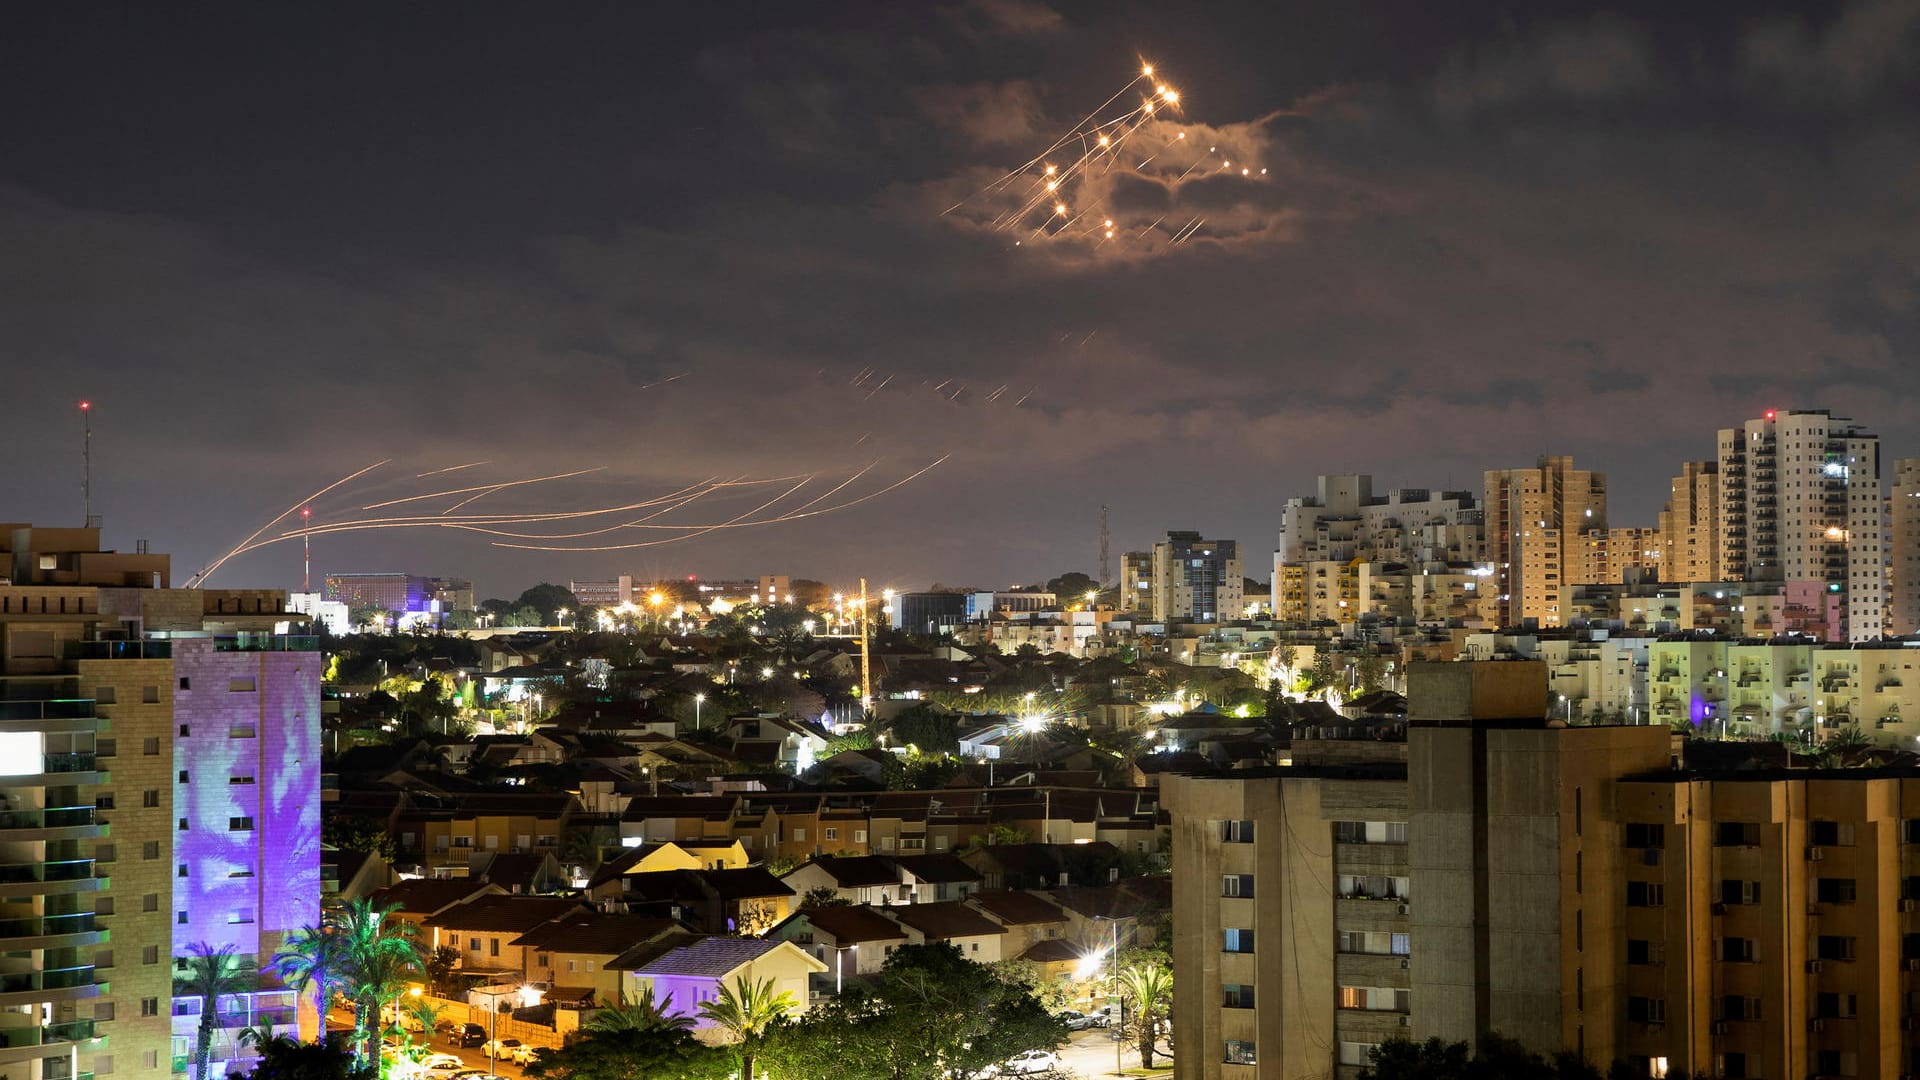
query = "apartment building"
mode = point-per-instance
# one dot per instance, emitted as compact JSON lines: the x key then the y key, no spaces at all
{"x":1748,"y":688}
{"x":1325,"y":908}
{"x":1532,"y":518}
{"x":1691,"y":547}
{"x":1136,"y":582}
{"x":1800,"y":501}
{"x":1196,"y":580}
{"x":1903,"y":549}
{"x":187,"y":721}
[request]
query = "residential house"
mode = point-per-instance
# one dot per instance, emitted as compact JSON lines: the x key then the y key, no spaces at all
{"x":745,"y":900}
{"x":687,"y":977}
{"x":952,"y":923}
{"x":867,"y":879}
{"x":927,"y":878}
{"x":606,"y":882}
{"x":415,"y":900}
{"x":483,"y":930}
{"x":1039,"y":866}
{"x":1030,"y":919}
{"x":577,"y":949}
{"x":854,"y":938}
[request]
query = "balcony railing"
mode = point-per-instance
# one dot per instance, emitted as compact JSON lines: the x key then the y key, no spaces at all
{"x":17,"y":982}
{"x":80,"y":923}
{"x":64,"y":870}
{"x":56,"y":709}
{"x":119,"y":650}
{"x":68,"y":762}
{"x":65,"y":817}
{"x":266,"y":643}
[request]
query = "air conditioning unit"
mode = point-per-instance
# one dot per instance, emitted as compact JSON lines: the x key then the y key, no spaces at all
{"x":1910,"y":905}
{"x":1814,"y":854}
{"x":1406,"y":1021}
{"x":1403,"y":965}
{"x":1913,"y":963}
{"x":1719,"y":1027}
{"x":1816,"y":1024}
{"x":1718,"y":908}
{"x":1404,"y":909}
{"x":1813,"y":967}
{"x":1910,"y":1023}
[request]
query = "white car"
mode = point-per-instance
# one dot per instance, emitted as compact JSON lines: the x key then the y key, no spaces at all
{"x":496,"y":1049}
{"x":441,"y":1063}
{"x":1033,"y":1061}
{"x":523,"y":1055}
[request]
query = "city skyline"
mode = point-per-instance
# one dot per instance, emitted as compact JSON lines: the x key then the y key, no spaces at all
{"x":274,"y":248}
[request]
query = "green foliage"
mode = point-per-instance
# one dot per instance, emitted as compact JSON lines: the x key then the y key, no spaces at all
{"x":822,"y":896}
{"x":931,"y":1013}
{"x":1072,"y":587}
{"x":660,"y":1053}
{"x":927,"y":728}
{"x":1496,"y":1058}
{"x":439,"y":970}
{"x":746,"y":1010}
{"x":642,"y":1013}
{"x":852,"y":740}
{"x":357,"y":832}
{"x":211,"y":974}
{"x":1148,"y":988}
{"x":282,"y":1058}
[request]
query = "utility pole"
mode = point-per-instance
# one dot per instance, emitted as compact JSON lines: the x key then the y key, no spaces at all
{"x":866,"y":667}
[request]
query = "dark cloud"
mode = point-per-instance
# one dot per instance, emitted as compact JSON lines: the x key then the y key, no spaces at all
{"x":727,"y":255}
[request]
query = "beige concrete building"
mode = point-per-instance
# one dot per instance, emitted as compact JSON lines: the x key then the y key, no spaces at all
{"x":1903,"y":549}
{"x":1691,"y":547}
{"x":1532,"y":517}
{"x":1755,"y":688}
{"x":1196,"y":580}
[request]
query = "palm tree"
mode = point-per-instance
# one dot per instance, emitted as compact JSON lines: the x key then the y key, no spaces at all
{"x":312,"y":956}
{"x":1149,"y":986}
{"x":641,"y":1013}
{"x":211,"y":974}
{"x":380,"y":957}
{"x":746,"y":1009}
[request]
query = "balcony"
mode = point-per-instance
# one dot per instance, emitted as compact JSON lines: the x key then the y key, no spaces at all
{"x":51,"y":932}
{"x":266,"y":643}
{"x":49,"y":878}
{"x":55,"y":709}
{"x":27,"y":987}
{"x":119,"y":650}
{"x":54,"y":823}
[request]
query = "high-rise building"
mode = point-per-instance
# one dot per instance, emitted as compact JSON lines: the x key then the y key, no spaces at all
{"x":206,"y":712}
{"x":1533,"y":520}
{"x":1903,"y":554}
{"x":393,"y":592}
{"x":1136,"y":582}
{"x":1691,"y":547}
{"x":1800,"y":500}
{"x":1196,"y":580}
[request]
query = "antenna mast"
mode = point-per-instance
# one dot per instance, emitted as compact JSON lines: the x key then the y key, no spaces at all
{"x":86,"y":462}
{"x":866,"y":671}
{"x":1106,"y":565}
{"x":306,"y":550}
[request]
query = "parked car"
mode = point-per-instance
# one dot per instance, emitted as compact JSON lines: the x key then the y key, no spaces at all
{"x":500,"y":1048}
{"x":1033,"y":1061}
{"x":523,"y":1054}
{"x":467,"y":1035}
{"x":1076,"y":1020}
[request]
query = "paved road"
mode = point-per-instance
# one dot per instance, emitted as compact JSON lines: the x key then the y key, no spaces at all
{"x":1089,"y":1054}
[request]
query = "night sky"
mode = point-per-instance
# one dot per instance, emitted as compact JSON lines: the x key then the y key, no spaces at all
{"x":275,"y":245}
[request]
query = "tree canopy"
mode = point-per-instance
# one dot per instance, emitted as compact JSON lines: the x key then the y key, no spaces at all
{"x":929,"y":1014}
{"x":636,"y":1053}
{"x":1495,"y":1058}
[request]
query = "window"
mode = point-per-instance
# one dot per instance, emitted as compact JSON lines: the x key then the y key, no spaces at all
{"x":150,"y":798}
{"x":473,"y":944}
{"x":799,"y":835}
{"x":1236,"y":832}
{"x":1236,"y":996}
{"x":103,"y":905}
{"x":1646,"y":952}
{"x":1829,"y":890}
{"x":183,"y":870}
{"x":103,"y":802}
{"x":1236,"y":885}
{"x":1739,"y":892}
{"x":186,"y":683}
{"x":1835,"y":1063}
{"x":150,"y":747}
{"x":103,"y":695}
{"x":1836,"y":1006}
{"x":243,"y":824}
{"x":150,"y":902}
{"x":493,"y":946}
{"x":103,"y":958}
{"x":106,"y":748}
{"x":180,"y":917}
{"x":184,"y":778}
{"x":1238,"y":941}
{"x":150,"y":1006}
{"x":1737,"y":950}
{"x":1735,"y":1007}
{"x":1239,"y":1052}
{"x":1737,"y":834}
{"x":1374,"y":998}
{"x":832,"y":833}
{"x":1357,"y":1053}
{"x":1910,"y":831}
{"x":1647,"y":1010}
{"x":1834,"y":947}
{"x":104,"y":853}
{"x":183,"y":824}
{"x":1646,"y":894}
{"x":1830,"y":833}
{"x":150,"y":954}
{"x":240,"y":686}
{"x":1646,"y":836}
{"x":859,"y":836}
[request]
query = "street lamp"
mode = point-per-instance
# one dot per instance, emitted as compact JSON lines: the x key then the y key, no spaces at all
{"x":1118,"y":1019}
{"x":698,"y":699}
{"x":840,"y":964}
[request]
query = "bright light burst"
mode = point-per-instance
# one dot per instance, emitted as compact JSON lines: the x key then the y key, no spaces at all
{"x":1061,"y":194}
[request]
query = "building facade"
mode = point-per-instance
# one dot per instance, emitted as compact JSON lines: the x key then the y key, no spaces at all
{"x":1903,"y":549}
{"x":1197,"y":580}
{"x":1801,"y":501}
{"x":1532,"y":519}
